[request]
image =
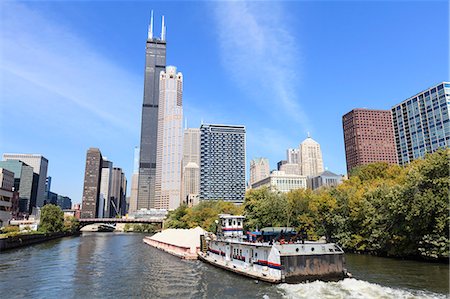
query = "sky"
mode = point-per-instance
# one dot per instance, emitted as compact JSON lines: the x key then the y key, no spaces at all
{"x":72,"y":72}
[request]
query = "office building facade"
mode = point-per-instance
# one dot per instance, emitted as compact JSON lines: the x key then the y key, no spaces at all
{"x":292,"y":155}
{"x":104,"y":198}
{"x":25,"y":182}
{"x":310,"y":157}
{"x":368,"y":137}
{"x":222,"y":162}
{"x":259,"y":169}
{"x":118,"y":193}
{"x":91,"y":188}
{"x":40,"y":165}
{"x":155,"y":63}
{"x":324,"y":179}
{"x":170,"y":140}
{"x":421,"y":123}
{"x":191,"y":167}
{"x":6,"y":196}
{"x":282,"y":182}
{"x":134,"y":182}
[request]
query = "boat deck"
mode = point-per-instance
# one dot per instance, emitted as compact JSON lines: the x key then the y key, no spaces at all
{"x":243,"y":271}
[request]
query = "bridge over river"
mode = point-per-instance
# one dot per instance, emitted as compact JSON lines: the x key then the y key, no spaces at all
{"x":152,"y":220}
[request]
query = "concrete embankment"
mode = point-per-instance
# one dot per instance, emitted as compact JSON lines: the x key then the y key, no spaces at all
{"x":183,"y":243}
{"x":30,"y":239}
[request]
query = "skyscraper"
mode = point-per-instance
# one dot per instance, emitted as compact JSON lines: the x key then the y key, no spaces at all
{"x":259,"y":169}
{"x":91,"y":188}
{"x":134,"y":181}
{"x":222,"y":162}
{"x":40,"y":165}
{"x":368,"y":137}
{"x":292,"y":155}
{"x":170,"y":140}
{"x":422,"y":123}
{"x":105,"y":189}
{"x":310,"y":156}
{"x":155,"y":63}
{"x":25,"y":182}
{"x":118,"y":193}
{"x":191,"y":166}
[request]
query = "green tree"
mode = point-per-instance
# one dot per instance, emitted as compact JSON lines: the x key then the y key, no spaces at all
{"x":52,"y":219}
{"x":71,"y":224}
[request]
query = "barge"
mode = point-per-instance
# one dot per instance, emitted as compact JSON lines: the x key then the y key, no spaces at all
{"x":273,"y":255}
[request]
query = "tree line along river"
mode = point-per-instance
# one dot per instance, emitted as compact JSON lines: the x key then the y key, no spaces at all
{"x":115,"y":265}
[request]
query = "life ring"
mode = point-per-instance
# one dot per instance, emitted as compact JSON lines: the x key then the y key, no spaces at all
{"x":282,"y":241}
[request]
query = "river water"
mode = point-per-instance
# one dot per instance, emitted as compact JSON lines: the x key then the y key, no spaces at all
{"x":114,"y":265}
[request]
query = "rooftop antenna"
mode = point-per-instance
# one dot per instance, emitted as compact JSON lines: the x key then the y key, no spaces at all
{"x":309,"y":135}
{"x":163,"y":30}
{"x":150,"y":27}
{"x":185,"y":123}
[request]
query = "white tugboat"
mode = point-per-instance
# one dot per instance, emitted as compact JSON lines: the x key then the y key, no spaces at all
{"x":273,"y":254}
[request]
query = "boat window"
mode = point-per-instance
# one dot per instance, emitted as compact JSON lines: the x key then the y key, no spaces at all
{"x":331,"y":249}
{"x":239,"y":223}
{"x":256,"y":254}
{"x":312,"y":248}
{"x":240,"y":252}
{"x":234,"y":222}
{"x":229,"y":222}
{"x":297,"y":249}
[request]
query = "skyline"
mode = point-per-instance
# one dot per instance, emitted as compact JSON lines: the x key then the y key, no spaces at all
{"x":54,"y":58}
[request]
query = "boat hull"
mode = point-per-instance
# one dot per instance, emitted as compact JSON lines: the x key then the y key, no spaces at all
{"x":276,"y":263}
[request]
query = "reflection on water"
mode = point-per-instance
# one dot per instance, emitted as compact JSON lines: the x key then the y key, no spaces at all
{"x":101,"y":265}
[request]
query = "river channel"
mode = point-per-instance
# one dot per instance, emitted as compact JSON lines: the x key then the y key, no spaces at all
{"x":115,"y":265}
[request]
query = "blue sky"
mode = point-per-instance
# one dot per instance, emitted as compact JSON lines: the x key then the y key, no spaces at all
{"x":71,"y":73}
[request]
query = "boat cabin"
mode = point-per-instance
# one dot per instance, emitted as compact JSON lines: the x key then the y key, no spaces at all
{"x":231,"y":225}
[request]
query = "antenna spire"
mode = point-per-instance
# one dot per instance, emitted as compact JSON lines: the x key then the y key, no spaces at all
{"x":163,"y":30}
{"x":150,"y":27}
{"x":309,"y":135}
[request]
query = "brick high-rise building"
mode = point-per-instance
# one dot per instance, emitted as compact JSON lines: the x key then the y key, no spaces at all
{"x":368,"y":137}
{"x":91,"y":188}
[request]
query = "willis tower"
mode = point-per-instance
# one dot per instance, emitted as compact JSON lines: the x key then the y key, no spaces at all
{"x":155,"y":62}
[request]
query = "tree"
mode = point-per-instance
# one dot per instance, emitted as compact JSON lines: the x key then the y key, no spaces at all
{"x":71,"y":224}
{"x":52,"y":219}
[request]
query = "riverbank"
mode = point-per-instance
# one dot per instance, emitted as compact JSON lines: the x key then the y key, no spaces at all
{"x":21,"y":240}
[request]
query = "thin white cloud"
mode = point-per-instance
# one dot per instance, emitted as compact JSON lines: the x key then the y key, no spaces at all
{"x":53,"y":58}
{"x":261,"y":55}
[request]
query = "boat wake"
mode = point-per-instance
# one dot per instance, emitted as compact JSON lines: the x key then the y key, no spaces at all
{"x":352,"y":288}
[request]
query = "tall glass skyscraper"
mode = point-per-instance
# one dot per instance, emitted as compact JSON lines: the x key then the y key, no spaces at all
{"x":422,"y":123}
{"x":155,"y":62}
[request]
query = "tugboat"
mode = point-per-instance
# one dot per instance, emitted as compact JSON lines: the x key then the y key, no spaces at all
{"x":273,"y":254}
